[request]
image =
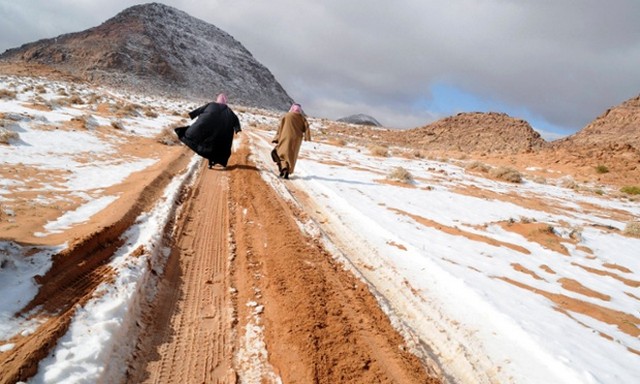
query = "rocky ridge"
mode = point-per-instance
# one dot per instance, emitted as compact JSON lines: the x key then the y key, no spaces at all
{"x":157,"y":48}
{"x":617,"y":128}
{"x":478,"y":132}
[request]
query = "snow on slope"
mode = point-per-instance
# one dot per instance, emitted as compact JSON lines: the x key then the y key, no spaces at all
{"x":506,"y":310}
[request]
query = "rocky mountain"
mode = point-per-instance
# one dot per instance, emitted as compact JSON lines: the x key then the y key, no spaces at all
{"x":360,"y":119}
{"x":157,"y":48}
{"x":489,"y":132}
{"x":617,"y":128}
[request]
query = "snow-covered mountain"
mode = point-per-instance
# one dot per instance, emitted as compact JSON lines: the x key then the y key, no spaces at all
{"x":157,"y":48}
{"x":361,"y":119}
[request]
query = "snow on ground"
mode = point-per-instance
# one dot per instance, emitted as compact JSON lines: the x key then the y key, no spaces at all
{"x":491,"y":303}
{"x":491,"y":312}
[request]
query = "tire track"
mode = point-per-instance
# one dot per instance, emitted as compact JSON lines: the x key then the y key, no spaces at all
{"x":188,"y":338}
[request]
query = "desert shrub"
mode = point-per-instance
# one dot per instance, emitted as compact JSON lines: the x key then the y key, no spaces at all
{"x":539,"y":180}
{"x":167,"y":137}
{"x":632,"y":229}
{"x":630,"y":190}
{"x":400,"y":174}
{"x":6,"y":135}
{"x":130,"y":109}
{"x":478,"y":166}
{"x":418,"y":154}
{"x":506,"y":174}
{"x":7,"y":94}
{"x":337,"y":141}
{"x":117,"y":125}
{"x":75,"y":99}
{"x":86,"y":122}
{"x":602,"y":169}
{"x":378,"y":150}
{"x":568,"y":182}
{"x":149,"y":112}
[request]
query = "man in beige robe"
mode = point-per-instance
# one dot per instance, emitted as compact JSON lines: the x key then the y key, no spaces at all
{"x":293,"y":128}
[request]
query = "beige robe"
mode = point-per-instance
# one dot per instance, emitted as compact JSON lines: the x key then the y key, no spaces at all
{"x":293,"y":127}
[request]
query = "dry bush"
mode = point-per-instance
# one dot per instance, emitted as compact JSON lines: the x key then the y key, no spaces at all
{"x":506,"y":174}
{"x":400,"y":174}
{"x":85,"y":122}
{"x":378,"y":150}
{"x":75,"y":99}
{"x":117,"y":125}
{"x":630,"y":190}
{"x":418,"y":154}
{"x":130,"y":109}
{"x":568,"y":182}
{"x":632,"y":229}
{"x":337,"y":141}
{"x":168,"y":137}
{"x":602,"y":169}
{"x":6,"y":135}
{"x":149,"y":112}
{"x":7,"y":94}
{"x":478,"y":166}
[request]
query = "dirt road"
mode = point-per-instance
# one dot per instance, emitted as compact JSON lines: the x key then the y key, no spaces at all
{"x":245,"y":282}
{"x":245,"y":297}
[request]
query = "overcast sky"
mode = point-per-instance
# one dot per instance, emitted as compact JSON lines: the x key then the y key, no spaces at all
{"x":555,"y":63}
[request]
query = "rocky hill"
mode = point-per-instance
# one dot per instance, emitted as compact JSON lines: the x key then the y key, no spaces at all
{"x":478,"y":132}
{"x":617,"y":128}
{"x":360,"y":119}
{"x":157,"y":48}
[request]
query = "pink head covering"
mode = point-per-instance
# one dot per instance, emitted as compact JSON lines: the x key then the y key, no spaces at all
{"x":295,"y":107}
{"x":222,"y":99}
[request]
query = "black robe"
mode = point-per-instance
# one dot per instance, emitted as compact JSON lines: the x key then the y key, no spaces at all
{"x":211,"y":135}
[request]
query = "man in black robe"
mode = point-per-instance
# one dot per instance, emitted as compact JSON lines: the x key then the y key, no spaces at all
{"x":211,"y":135}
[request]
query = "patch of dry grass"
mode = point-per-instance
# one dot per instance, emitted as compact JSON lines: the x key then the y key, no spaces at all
{"x":117,"y":125}
{"x":378,"y":150}
{"x":168,"y":137}
{"x":630,"y":190}
{"x":337,"y":141}
{"x":400,"y":174}
{"x":7,"y":94}
{"x":478,"y":166}
{"x":6,"y":136}
{"x":507,"y":174}
{"x":632,"y":229}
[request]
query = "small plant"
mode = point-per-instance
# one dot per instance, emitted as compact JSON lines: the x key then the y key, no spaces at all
{"x":6,"y":136}
{"x":337,"y":141}
{"x":149,"y":112}
{"x":7,"y":94}
{"x":378,"y":150}
{"x":478,"y":166}
{"x":602,"y":169}
{"x":167,"y":137}
{"x":117,"y":125}
{"x":75,"y":99}
{"x":630,"y":190}
{"x":632,"y":229}
{"x":507,"y":174}
{"x":568,"y":182}
{"x":400,"y":174}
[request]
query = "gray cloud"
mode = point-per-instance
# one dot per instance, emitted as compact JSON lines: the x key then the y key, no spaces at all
{"x":563,"y":61}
